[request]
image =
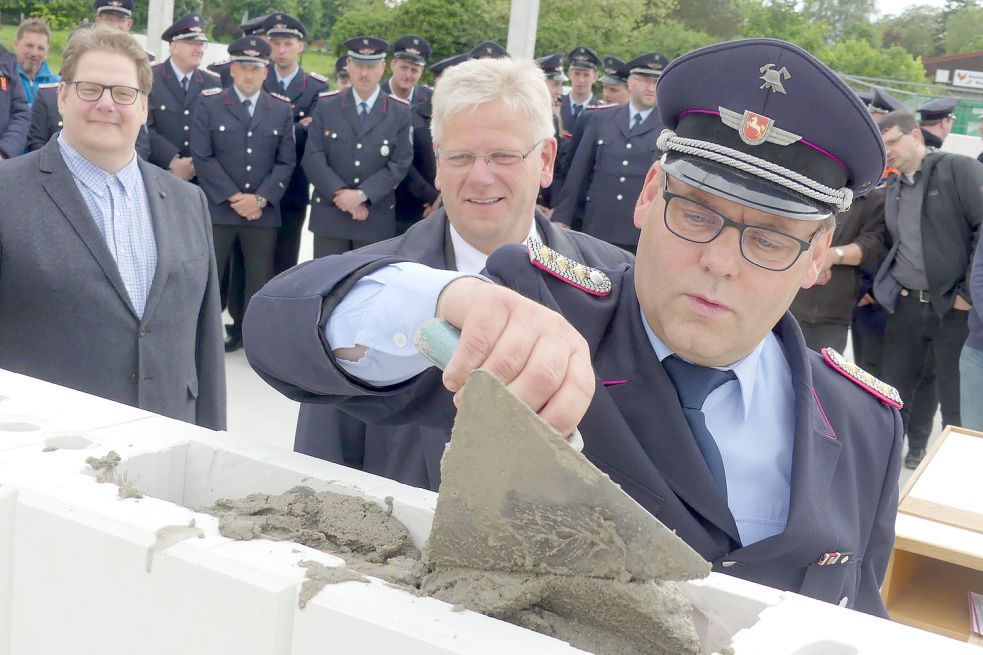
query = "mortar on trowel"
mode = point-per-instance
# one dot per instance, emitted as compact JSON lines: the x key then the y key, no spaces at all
{"x":522,"y":516}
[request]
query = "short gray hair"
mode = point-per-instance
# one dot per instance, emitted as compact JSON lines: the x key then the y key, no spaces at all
{"x":518,"y":82}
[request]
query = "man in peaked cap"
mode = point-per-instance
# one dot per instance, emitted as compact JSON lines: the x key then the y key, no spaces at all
{"x":114,"y":13}
{"x":342,"y":78}
{"x":286,"y":36}
{"x":614,"y":82}
{"x":358,"y":151}
{"x":935,"y":120}
{"x":552,"y":67}
{"x":787,"y":475}
{"x":582,"y":68}
{"x":242,"y":143}
{"x":410,"y":55}
{"x":488,"y":50}
{"x":251,"y":27}
{"x":178,"y":81}
{"x":617,"y":150}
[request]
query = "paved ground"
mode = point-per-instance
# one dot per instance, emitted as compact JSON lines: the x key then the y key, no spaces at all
{"x":258,"y":412}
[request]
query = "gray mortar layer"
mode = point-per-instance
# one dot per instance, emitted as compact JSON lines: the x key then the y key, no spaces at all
{"x":606,"y":617}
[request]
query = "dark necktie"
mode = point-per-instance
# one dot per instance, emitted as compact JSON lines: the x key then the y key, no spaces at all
{"x":637,"y":119}
{"x":693,"y":385}
{"x":283,"y":87}
{"x":248,"y":104}
{"x":184,"y":83}
{"x":363,"y":111}
{"x":576,"y":111}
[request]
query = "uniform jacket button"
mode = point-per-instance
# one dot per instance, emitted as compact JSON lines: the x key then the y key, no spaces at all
{"x":134,"y":379}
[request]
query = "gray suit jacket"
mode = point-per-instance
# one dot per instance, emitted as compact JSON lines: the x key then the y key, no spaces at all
{"x":66,"y":317}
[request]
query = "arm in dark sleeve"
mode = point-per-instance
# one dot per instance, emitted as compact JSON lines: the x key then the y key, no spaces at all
{"x":275,"y":184}
{"x":315,"y":162}
{"x":418,"y":184}
{"x":968,"y":176}
{"x":212,"y":178}
{"x":38,"y":135}
{"x":381,"y":183}
{"x":976,"y":278}
{"x":577,"y":181}
{"x":873,"y":231}
{"x":13,"y":140}
{"x":210,"y":410}
{"x":881,"y":541}
{"x":143,"y":143}
{"x":162,"y":151}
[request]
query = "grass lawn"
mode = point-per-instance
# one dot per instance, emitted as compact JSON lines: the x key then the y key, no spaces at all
{"x":319,"y":62}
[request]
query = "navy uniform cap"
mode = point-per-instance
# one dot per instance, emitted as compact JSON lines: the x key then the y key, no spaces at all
{"x":651,"y":63}
{"x":414,"y":49}
{"x":122,"y":7}
{"x":883,"y":102}
{"x":552,"y":66}
{"x":190,"y":27}
{"x":488,"y":50}
{"x":765,"y":124}
{"x":254,"y":26}
{"x":367,"y":48}
{"x":341,"y":66}
{"x":250,"y":50}
{"x":936,"y":110}
{"x":280,"y":25}
{"x":584,"y":57}
{"x":438,"y":67}
{"x":615,"y":71}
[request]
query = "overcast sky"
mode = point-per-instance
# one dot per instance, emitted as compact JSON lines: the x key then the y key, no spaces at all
{"x":886,"y":7}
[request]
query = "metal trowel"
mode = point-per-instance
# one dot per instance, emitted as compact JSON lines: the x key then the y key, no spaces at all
{"x":514,"y":496}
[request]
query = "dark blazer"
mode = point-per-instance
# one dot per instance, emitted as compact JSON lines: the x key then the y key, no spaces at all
{"x":343,"y":153}
{"x":953,"y":202}
{"x":566,"y":111}
{"x":170,"y":109}
{"x":46,"y":120}
{"x":421,"y":93}
{"x":847,"y":444}
{"x":15,"y":114}
{"x":410,"y":453}
{"x":234,"y":152}
{"x":302,"y":92}
{"x":607,"y":173}
{"x":67,"y":317}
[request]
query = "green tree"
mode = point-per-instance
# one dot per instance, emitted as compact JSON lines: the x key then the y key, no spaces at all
{"x":916,"y":30}
{"x":362,"y":19}
{"x":838,"y":15}
{"x":963,"y":31}
{"x":672,"y":38}
{"x":451,"y":27}
{"x":608,"y":28}
{"x":781,"y":19}
{"x":717,"y":18}
{"x":857,"y":57}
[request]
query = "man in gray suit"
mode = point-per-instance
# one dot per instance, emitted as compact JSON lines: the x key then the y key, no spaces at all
{"x":107,"y":269}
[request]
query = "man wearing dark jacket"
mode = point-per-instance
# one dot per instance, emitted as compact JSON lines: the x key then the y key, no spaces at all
{"x":452,"y":239}
{"x":825,"y":311}
{"x":932,"y":212}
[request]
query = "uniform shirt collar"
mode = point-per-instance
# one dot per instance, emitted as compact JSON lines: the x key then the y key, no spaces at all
{"x":469,"y":259}
{"x":632,"y":110}
{"x":177,"y":71}
{"x":370,"y":101}
{"x":94,"y":178}
{"x":746,"y":369}
{"x":286,"y":79}
{"x":585,"y":103}
{"x":254,"y":97}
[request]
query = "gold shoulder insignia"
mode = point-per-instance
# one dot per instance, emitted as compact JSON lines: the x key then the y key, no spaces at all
{"x":328,"y":94}
{"x":398,"y":99}
{"x":318,"y":77}
{"x":280,"y":97}
{"x":212,"y":91}
{"x":881,"y":390}
{"x":572,"y":272}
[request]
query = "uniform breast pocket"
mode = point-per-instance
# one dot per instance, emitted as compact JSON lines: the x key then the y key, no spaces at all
{"x":229,"y":141}
{"x":833,"y":583}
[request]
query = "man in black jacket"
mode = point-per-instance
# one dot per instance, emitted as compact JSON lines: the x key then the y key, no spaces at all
{"x":932,"y":211}
{"x":452,"y":238}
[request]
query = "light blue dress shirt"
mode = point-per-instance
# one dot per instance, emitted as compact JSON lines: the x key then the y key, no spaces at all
{"x":632,"y":110}
{"x":119,"y":206}
{"x":253,"y":99}
{"x":370,"y":101}
{"x":752,"y":418}
{"x":286,"y":79}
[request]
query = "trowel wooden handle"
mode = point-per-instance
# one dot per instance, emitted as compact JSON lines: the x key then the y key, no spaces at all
{"x":436,"y":340}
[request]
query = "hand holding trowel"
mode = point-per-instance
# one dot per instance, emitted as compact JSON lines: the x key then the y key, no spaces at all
{"x":515,"y":497}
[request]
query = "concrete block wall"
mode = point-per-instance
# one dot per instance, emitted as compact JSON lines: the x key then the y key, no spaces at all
{"x":83,"y":571}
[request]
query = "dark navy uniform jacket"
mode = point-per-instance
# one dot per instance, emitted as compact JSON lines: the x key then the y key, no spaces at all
{"x":302,"y":92}
{"x":417,"y":188}
{"x":344,"y":153}
{"x":566,"y":111}
{"x":46,"y":120}
{"x":607,"y":173}
{"x":15,"y":114}
{"x":847,"y":444}
{"x":222,"y":68}
{"x":234,"y":153}
{"x":411,"y":453}
{"x":170,"y":109}
{"x":421,"y":93}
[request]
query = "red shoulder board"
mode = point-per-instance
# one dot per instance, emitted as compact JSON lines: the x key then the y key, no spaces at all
{"x":398,"y":99}
{"x":328,"y":94}
{"x":572,"y":272}
{"x":880,"y":390}
{"x":280,"y":97}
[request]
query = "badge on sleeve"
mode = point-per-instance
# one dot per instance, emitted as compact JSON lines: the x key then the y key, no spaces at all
{"x":572,"y":272}
{"x":881,"y":390}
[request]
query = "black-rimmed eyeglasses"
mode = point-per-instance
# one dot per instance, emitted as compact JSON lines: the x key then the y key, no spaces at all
{"x":463,"y":160}
{"x":92,"y":91}
{"x":764,"y":247}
